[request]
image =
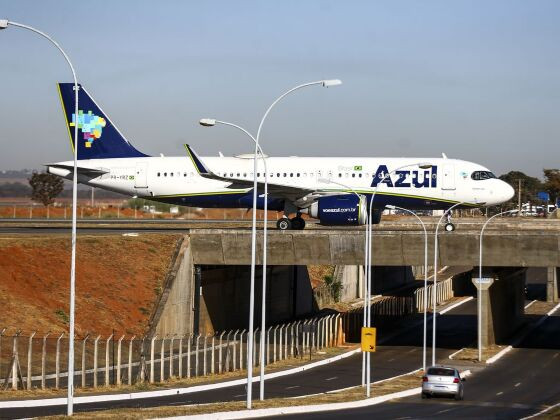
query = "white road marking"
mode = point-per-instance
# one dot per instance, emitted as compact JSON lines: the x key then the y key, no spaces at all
{"x":445,"y":411}
{"x":292,"y":387}
{"x":500,"y":393}
{"x":455,"y":305}
{"x":530,"y":303}
{"x":390,"y":360}
{"x":517,"y":384}
{"x":330,"y":379}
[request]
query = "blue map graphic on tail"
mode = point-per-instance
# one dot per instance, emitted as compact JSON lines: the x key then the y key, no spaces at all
{"x":98,"y":138}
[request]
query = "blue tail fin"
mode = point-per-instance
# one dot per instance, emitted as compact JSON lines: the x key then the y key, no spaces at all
{"x":98,"y":138}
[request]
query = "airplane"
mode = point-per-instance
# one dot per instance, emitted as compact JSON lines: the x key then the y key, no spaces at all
{"x":335,"y":190}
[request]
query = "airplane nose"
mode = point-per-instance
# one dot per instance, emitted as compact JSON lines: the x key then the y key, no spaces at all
{"x":508,"y":191}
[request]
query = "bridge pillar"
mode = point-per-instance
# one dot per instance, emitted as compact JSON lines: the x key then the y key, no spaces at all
{"x":552,"y":276}
{"x":502,"y":303}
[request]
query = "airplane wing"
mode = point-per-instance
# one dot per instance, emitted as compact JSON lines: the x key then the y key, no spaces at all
{"x":300,"y":195}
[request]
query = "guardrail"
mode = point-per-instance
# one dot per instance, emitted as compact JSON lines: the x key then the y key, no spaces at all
{"x":120,"y":359}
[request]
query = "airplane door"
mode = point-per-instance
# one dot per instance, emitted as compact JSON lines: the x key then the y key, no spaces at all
{"x":141,"y":175}
{"x":448,"y":178}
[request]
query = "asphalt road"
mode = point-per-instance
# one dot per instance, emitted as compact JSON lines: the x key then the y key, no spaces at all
{"x":522,"y":383}
{"x":399,"y":355}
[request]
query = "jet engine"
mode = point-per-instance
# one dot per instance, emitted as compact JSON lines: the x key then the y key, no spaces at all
{"x":339,"y":210}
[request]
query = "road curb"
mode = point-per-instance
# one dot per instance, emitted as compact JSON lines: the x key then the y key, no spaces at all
{"x":168,"y":392}
{"x":316,"y":408}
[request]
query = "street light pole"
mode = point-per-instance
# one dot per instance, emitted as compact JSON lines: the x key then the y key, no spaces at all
{"x":425,"y":299}
{"x":479,"y":291}
{"x":434,"y":294}
{"x":250,"y":344}
{"x":422,"y":165}
{"x":360,"y":197}
{"x":4,"y":23}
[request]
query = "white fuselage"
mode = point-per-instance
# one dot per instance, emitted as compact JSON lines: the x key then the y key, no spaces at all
{"x":164,"y":178}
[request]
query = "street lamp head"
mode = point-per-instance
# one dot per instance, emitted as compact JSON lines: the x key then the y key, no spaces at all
{"x":3,"y":23}
{"x":207,"y":122}
{"x":331,"y":82}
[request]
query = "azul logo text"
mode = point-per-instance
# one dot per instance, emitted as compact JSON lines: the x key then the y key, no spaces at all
{"x":417,"y":178}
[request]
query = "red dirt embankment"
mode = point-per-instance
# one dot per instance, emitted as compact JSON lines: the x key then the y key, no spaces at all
{"x":118,"y":280}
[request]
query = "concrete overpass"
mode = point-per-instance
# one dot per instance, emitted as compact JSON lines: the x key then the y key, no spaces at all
{"x":210,"y":270}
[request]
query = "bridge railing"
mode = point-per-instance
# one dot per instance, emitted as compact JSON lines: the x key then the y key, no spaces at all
{"x":41,"y":360}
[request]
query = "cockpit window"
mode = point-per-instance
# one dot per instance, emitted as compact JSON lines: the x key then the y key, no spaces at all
{"x":480,"y":175}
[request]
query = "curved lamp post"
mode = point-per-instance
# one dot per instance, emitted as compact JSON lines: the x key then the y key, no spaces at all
{"x":479,"y":292}
{"x":421,"y":165}
{"x":4,"y":23}
{"x":360,"y":196}
{"x":250,"y":344}
{"x":434,"y":294}
{"x":425,"y":303}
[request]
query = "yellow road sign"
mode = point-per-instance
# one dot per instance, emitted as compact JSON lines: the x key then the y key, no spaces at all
{"x":368,"y":339}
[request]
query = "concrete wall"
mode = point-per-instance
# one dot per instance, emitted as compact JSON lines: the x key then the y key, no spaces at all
{"x":224,"y":302}
{"x":173,"y":312}
{"x":399,"y":248}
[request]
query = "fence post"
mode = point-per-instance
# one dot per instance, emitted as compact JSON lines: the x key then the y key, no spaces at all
{"x":255,"y":345}
{"x":219,"y":354}
{"x":107,"y":373}
{"x":119,"y":349}
{"x":29,"y":354}
{"x":212,"y":356}
{"x":152,"y":351}
{"x":241,"y":350}
{"x":84,"y":360}
{"x":228,"y":353}
{"x":130,"y":360}
{"x":204,"y":358}
{"x":171,"y":356}
{"x":57,"y":363}
{"x":180,"y":356}
{"x":292,"y":337}
{"x":43,"y":359}
{"x":266,"y":346}
{"x":274,"y":345}
{"x":95,"y":360}
{"x":234,"y":358}
{"x":162,"y":361}
{"x":196,"y":356}
{"x":280,"y":342}
{"x":143,"y":369}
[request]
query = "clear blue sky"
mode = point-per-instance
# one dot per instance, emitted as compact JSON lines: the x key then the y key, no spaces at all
{"x":478,"y":80}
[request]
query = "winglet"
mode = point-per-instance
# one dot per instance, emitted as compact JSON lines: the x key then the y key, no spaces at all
{"x":201,"y":169}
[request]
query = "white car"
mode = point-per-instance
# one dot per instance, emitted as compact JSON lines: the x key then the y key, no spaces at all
{"x":442,"y":380}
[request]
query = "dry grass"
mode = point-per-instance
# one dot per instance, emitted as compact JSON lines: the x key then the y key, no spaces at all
{"x":471,"y":354}
{"x":354,"y":394}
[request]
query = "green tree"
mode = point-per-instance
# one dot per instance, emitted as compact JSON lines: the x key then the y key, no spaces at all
{"x":45,"y":187}
{"x":552,"y":182}
{"x":530,"y":186}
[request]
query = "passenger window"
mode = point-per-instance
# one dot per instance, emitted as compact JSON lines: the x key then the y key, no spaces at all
{"x":165,"y":174}
{"x":297,"y":174}
{"x":159,"y":174}
{"x":291,"y":175}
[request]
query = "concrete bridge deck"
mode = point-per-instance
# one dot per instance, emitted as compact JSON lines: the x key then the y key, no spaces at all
{"x":502,"y":248}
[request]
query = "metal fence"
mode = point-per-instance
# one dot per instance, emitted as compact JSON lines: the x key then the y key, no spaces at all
{"x":444,"y":291}
{"x":41,"y":362}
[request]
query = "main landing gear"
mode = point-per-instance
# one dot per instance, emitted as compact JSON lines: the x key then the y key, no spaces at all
{"x":295,"y":223}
